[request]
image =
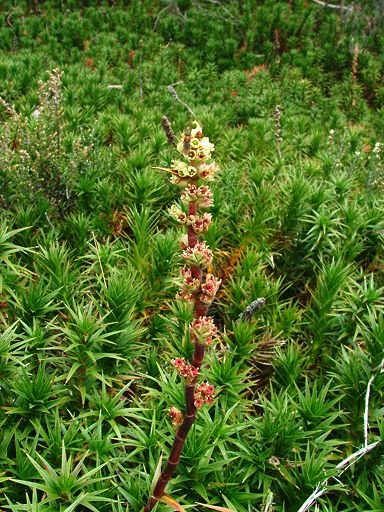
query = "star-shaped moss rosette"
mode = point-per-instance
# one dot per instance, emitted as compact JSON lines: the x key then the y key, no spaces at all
{"x":198,"y":286}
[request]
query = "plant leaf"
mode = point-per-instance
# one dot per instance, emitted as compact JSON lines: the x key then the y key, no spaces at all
{"x":172,"y":503}
{"x":157,"y":473}
{"x":215,"y":507}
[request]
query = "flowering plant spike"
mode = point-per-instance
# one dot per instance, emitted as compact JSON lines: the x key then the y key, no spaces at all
{"x":198,"y":286}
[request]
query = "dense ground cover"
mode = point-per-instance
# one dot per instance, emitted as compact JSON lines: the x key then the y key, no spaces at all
{"x":291,"y":95}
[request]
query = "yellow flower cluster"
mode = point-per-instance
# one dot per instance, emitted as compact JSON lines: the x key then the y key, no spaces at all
{"x":197,"y":150}
{"x":194,"y":146}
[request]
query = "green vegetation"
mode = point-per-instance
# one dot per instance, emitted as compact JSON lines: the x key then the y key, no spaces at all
{"x":290,"y":93}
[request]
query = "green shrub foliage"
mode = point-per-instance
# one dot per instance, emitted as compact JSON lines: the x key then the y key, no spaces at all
{"x":291,"y":92}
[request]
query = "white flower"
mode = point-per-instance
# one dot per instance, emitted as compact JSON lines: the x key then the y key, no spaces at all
{"x":197,"y":131}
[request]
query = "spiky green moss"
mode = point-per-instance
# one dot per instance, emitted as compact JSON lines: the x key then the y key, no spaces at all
{"x":291,"y":93}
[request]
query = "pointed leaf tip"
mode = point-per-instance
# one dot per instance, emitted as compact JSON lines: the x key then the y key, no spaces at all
{"x":172,"y":503}
{"x":215,"y":507}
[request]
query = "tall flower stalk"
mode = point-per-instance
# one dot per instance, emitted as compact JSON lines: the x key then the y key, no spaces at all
{"x":198,"y":287}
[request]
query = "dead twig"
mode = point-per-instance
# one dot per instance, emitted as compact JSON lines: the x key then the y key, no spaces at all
{"x":167,"y":127}
{"x":175,"y":96}
{"x":322,"y":487}
{"x":348,"y":8}
{"x":366,"y":410}
{"x":171,"y":6}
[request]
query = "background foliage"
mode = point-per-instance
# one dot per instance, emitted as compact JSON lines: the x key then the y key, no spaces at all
{"x":291,"y":93}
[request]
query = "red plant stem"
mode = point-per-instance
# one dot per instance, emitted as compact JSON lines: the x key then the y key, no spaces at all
{"x":192,"y":236}
{"x":200,"y":309}
{"x":174,"y":456}
{"x":181,"y":434}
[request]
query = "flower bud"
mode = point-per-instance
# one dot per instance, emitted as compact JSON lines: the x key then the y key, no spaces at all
{"x":177,"y":214}
{"x":183,"y":169}
{"x":185,"y":295}
{"x":184,"y":369}
{"x":199,"y":255}
{"x":203,"y":330}
{"x":194,"y":145}
{"x":176,"y":416}
{"x":190,"y":283}
{"x":209,"y":289}
{"x":207,"y":171}
{"x":197,"y":131}
{"x":199,"y":223}
{"x":201,"y":196}
{"x":204,"y":394}
{"x":183,"y":241}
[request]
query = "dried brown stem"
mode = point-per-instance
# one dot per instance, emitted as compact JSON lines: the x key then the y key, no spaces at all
{"x":167,"y":127}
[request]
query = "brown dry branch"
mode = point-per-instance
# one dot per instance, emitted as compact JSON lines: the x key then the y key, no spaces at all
{"x":348,"y":8}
